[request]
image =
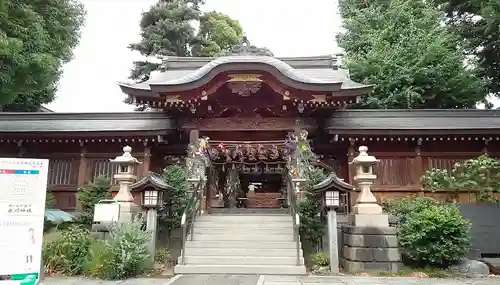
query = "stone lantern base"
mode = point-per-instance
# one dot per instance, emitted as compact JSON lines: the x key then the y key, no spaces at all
{"x":129,"y":211}
{"x":370,"y":249}
{"x":369,"y":243}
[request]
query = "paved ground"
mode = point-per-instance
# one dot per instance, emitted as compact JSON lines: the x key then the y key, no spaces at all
{"x":271,"y":280}
{"x":84,"y":281}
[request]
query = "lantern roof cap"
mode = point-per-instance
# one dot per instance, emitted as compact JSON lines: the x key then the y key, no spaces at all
{"x":363,"y":157}
{"x":126,"y":157}
{"x":152,"y":179}
{"x":332,"y":182}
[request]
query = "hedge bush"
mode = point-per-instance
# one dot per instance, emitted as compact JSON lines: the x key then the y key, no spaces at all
{"x":122,"y":256}
{"x":66,"y":254}
{"x":100,"y":261}
{"x":433,"y":233}
{"x":401,"y":208}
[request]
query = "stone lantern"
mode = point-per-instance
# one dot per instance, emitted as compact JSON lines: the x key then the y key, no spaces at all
{"x":125,"y":178}
{"x":367,"y":212}
{"x":369,"y":243}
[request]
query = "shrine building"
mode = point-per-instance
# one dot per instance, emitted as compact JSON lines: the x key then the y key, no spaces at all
{"x":247,"y":103}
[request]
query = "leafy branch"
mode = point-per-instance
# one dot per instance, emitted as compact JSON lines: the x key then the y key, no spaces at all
{"x":479,"y":175}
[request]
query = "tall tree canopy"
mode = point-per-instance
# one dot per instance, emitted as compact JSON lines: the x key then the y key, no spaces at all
{"x":168,"y":29}
{"x":413,"y":60}
{"x":478,"y":22}
{"x":36,"y":38}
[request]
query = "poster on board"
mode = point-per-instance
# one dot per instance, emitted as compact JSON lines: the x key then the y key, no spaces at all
{"x":23,"y":187}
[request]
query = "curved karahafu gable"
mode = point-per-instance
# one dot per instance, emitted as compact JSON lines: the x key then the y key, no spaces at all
{"x":317,"y":79}
{"x":222,"y":64}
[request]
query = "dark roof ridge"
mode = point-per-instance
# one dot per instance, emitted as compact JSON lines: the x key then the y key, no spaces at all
{"x":81,"y":116}
{"x":324,"y":61}
{"x":412,"y":113}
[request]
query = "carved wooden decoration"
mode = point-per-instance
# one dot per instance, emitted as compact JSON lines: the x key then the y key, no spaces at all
{"x":244,"y":84}
{"x":248,"y":124}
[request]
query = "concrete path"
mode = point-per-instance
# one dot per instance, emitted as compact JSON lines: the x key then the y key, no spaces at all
{"x":271,"y":280}
{"x":353,"y":280}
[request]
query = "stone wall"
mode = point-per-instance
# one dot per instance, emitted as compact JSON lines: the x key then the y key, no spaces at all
{"x":485,"y":231}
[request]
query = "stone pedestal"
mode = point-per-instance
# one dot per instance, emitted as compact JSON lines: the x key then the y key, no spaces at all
{"x":369,"y":243}
{"x":370,"y":249}
{"x":129,"y":211}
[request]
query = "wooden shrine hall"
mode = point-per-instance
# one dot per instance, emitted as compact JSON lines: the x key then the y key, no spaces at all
{"x":247,"y":103}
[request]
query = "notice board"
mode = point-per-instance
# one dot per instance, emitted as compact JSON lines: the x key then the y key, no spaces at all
{"x":23,"y":188}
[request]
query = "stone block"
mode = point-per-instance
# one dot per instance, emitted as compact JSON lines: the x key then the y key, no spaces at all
{"x":369,"y":230}
{"x":364,"y":254}
{"x":471,"y":269}
{"x":358,"y":266}
{"x":371,"y":220}
{"x":377,"y":241}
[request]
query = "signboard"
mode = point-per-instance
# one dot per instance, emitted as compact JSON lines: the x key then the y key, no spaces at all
{"x":106,"y":212}
{"x":23,"y":187}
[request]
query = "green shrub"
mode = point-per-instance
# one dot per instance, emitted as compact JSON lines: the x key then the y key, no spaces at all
{"x":66,"y":253}
{"x":401,"y":208}
{"x":163,"y":255}
{"x":437,"y":235}
{"x":311,"y":226}
{"x":169,"y":216}
{"x":129,"y":244}
{"x":320,"y":259}
{"x":100,"y":261}
{"x":91,"y":194}
{"x":123,"y":256}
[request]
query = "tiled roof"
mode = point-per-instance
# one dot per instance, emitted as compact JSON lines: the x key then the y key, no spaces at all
{"x":414,"y":120}
{"x":383,"y":121}
{"x":84,"y":122}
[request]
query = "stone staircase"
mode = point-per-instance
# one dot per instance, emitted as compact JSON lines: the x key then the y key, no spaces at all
{"x":242,"y":241}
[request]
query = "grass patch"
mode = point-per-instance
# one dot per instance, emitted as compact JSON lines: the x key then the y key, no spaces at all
{"x":417,"y":272}
{"x":51,"y":236}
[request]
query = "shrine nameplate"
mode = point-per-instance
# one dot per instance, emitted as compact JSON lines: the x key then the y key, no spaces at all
{"x":248,"y":124}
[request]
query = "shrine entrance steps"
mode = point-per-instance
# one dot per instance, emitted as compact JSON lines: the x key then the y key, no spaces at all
{"x":249,"y":211}
{"x":242,"y":243}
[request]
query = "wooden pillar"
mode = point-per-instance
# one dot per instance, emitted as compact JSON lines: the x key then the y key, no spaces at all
{"x":418,"y":168}
{"x":485,"y":148}
{"x":21,"y":149}
{"x":82,"y":172}
{"x":351,"y":153}
{"x":146,"y":161}
{"x":194,"y":135}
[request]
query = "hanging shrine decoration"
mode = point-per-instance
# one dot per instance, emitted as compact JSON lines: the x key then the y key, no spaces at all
{"x":299,"y":156}
{"x":232,"y":189}
{"x":246,"y":153}
{"x":198,"y":159}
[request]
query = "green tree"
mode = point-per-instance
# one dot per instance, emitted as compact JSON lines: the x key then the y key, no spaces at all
{"x":478,"y":22}
{"x":91,"y":194}
{"x":170,"y":216}
{"x":36,"y":38}
{"x":311,"y":226}
{"x":414,"y":60}
{"x":168,"y":29}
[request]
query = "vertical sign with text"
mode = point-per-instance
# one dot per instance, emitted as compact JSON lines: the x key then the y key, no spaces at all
{"x":23,"y":187}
